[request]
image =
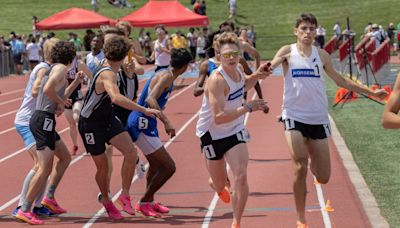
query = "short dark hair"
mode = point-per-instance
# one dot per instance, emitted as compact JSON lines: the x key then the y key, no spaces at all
{"x":180,"y":57}
{"x":63,"y":52}
{"x":116,"y":48}
{"x":306,"y":17}
{"x":227,"y":23}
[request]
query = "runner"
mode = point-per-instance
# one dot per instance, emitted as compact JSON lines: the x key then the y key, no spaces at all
{"x":144,"y":133}
{"x":221,"y":127}
{"x":21,"y":122}
{"x":98,"y":124}
{"x":72,"y":112}
{"x":50,"y":102}
{"x":305,"y":106}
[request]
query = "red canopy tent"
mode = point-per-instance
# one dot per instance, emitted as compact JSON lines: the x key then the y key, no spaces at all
{"x":74,"y":18}
{"x":168,"y":13}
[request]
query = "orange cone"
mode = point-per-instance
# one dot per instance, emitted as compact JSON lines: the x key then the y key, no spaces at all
{"x":328,"y":206}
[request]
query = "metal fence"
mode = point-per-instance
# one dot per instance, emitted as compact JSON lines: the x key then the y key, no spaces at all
{"x":7,"y":65}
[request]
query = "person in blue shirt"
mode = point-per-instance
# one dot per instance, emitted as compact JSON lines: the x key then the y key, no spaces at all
{"x":143,"y":130}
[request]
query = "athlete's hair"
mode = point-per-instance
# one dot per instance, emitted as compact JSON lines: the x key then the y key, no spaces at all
{"x":180,"y":57}
{"x":227,"y":38}
{"x":63,"y":52}
{"x":214,"y":41}
{"x":306,"y":17}
{"x":116,"y":48}
{"x":112,"y":30}
{"x":124,"y":24}
{"x":47,"y":47}
{"x":227,"y":23}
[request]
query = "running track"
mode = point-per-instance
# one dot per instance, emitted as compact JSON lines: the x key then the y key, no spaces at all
{"x":193,"y":204}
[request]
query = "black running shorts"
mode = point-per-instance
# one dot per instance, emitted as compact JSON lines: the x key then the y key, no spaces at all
{"x":42,"y":125}
{"x":320,"y":131}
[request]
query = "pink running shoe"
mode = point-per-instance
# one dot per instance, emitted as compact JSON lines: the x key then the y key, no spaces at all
{"x":158,"y":207}
{"x":53,"y":206}
{"x":28,"y":217}
{"x":112,"y":211}
{"x":146,"y":209}
{"x":125,"y":202}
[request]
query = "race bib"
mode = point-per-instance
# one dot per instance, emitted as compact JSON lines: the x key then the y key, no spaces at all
{"x":89,"y":138}
{"x":243,"y":135}
{"x":143,"y":123}
{"x":48,"y":124}
{"x":209,"y":151}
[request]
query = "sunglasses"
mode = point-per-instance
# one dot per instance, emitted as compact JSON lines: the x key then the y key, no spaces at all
{"x":228,"y":55}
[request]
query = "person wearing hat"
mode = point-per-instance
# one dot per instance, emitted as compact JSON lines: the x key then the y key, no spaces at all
{"x":376,"y":34}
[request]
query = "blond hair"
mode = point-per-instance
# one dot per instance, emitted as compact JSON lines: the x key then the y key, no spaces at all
{"x":124,"y":24}
{"x":48,"y":46}
{"x":227,"y":38}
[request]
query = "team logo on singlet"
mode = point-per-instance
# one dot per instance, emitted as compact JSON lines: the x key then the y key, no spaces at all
{"x":236,"y":94}
{"x":305,"y":73}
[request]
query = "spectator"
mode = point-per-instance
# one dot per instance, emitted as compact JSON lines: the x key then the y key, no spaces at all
{"x":203,"y":8}
{"x":162,"y":53}
{"x":368,"y":28}
{"x":141,"y":38}
{"x":376,"y":34}
{"x":191,"y":36}
{"x":147,"y":45}
{"x":320,"y":36}
{"x":337,"y":31}
{"x":87,"y":39}
{"x":390,"y":32}
{"x":18,"y":50}
{"x":179,"y":41}
{"x":196,"y":7}
{"x":76,"y":41}
{"x":34,"y":52}
{"x":251,"y":34}
{"x":232,"y":8}
{"x":94,"y":4}
{"x":201,"y":43}
{"x":36,"y":33}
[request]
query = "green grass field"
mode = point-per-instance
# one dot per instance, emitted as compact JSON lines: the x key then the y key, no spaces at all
{"x":375,"y":149}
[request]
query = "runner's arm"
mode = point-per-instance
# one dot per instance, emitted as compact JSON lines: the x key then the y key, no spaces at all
{"x":38,"y":81}
{"x":390,"y":117}
{"x":199,"y":87}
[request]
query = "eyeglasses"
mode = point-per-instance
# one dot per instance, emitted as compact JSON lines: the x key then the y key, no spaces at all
{"x":228,"y":55}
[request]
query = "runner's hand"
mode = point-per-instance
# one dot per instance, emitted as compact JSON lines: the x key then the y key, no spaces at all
{"x":380,"y":93}
{"x":256,"y":105}
{"x":170,"y":130}
{"x":152,"y":112}
{"x":264,"y":70}
{"x":67,"y":102}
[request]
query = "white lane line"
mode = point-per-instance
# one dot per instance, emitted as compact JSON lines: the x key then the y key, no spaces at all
{"x":7,"y":130}
{"x":11,"y":101}
{"x":11,"y":92}
{"x":9,"y":113}
{"x":102,"y":210}
{"x":16,"y":198}
{"x":321,"y":200}
{"x":23,"y":149}
{"x":214,"y":201}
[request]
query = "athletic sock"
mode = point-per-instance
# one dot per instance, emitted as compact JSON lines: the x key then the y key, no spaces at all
{"x":39,"y":198}
{"x":50,"y":191}
{"x":25,"y":186}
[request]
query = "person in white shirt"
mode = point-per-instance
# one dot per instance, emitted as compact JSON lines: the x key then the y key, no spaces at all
{"x":305,"y":106}
{"x":94,"y":58}
{"x":321,"y":36}
{"x":221,"y":128}
{"x":34,"y":52}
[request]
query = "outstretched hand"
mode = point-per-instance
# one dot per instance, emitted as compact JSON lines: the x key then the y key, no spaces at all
{"x":264,"y":70}
{"x":152,"y":112}
{"x":380,"y":93}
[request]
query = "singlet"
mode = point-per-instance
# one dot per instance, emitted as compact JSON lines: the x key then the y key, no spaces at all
{"x":77,"y":93}
{"x":233,"y":100}
{"x":44,"y":103}
{"x":304,"y":97}
{"x":151,"y":123}
{"x":92,"y":61}
{"x":97,"y":106}
{"x":127,"y":86}
{"x":161,"y":58}
{"x":211,"y":66}
{"x":28,"y":105}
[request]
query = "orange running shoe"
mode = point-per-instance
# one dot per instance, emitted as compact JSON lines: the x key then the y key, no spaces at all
{"x":234,"y":225}
{"x":224,"y":195}
{"x":301,"y":225}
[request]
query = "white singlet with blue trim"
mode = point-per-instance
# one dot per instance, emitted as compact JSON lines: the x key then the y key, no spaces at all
{"x":234,"y":100}
{"x":28,"y":105}
{"x":304,"y":97}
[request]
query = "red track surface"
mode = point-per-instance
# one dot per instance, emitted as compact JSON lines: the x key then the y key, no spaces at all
{"x":270,"y":203}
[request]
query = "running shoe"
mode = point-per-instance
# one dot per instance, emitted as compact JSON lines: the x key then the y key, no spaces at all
{"x":224,"y":195}
{"x":158,"y":207}
{"x":146,"y":209}
{"x":234,"y":225}
{"x":301,"y":225}
{"x":140,"y":169}
{"x":112,"y":211}
{"x":74,"y":150}
{"x":42,"y":211}
{"x":125,"y":202}
{"x":53,"y":206}
{"x":28,"y":217}
{"x":15,"y":211}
